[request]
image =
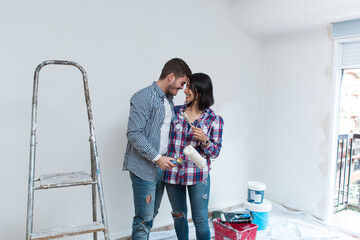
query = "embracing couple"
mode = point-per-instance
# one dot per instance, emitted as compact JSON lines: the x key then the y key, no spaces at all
{"x":157,"y":134}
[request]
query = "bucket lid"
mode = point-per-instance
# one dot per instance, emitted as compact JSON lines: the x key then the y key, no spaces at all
{"x":257,"y":186}
{"x":263,"y":207}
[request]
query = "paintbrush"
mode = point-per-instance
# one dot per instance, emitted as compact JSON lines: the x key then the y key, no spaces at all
{"x":178,"y":161}
{"x":185,"y":116}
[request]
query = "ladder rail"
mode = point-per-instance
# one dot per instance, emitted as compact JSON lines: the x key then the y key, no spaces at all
{"x":93,"y":148}
{"x":93,"y":191}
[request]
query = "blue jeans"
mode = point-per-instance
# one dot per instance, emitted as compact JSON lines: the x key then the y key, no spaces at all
{"x":199,"y":201}
{"x":147,"y":199}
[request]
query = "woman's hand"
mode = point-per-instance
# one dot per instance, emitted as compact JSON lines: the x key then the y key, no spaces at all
{"x":198,"y":133}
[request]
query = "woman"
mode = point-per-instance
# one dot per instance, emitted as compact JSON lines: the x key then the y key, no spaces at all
{"x":205,"y":135}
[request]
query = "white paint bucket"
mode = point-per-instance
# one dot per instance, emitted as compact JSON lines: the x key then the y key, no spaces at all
{"x":256,"y":192}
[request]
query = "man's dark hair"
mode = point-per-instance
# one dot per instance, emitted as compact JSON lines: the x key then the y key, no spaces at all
{"x":201,"y":85}
{"x":176,"y":66}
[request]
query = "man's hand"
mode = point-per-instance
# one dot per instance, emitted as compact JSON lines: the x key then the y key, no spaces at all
{"x":165,"y":162}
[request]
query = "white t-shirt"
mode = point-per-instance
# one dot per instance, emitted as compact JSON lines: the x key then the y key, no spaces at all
{"x":165,"y":129}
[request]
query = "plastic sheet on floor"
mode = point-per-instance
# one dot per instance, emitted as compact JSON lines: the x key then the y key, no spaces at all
{"x":283,"y":225}
{"x":294,"y":225}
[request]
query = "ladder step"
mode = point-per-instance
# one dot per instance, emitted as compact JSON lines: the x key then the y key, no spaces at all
{"x":67,"y":231}
{"x":63,"y":180}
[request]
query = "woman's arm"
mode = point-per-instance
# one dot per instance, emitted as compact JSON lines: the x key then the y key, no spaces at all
{"x":212,"y":150}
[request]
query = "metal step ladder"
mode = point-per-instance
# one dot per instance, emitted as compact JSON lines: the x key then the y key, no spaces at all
{"x":60,"y":180}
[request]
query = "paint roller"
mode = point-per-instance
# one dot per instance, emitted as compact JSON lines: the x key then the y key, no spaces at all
{"x":194,"y":156}
{"x":236,"y":217}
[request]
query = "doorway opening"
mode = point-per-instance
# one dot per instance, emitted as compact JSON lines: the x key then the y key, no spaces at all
{"x":347,"y":183}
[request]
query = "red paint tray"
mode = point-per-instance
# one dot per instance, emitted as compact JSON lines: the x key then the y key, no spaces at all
{"x":234,"y":231}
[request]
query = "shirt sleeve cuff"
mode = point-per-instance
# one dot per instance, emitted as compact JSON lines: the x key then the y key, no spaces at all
{"x":157,"y":157}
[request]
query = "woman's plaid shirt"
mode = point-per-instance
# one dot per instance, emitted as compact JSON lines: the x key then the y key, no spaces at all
{"x":181,"y":136}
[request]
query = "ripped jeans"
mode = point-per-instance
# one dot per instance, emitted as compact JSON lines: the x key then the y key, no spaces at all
{"x":199,"y":200}
{"x":147,"y":199}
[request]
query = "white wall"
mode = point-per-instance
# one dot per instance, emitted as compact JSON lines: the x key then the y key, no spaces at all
{"x":296,"y":159}
{"x":123,"y":46}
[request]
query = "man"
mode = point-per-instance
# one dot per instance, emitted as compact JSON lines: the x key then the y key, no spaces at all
{"x":151,"y":111}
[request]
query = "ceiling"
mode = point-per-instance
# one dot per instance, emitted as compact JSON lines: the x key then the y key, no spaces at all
{"x":269,"y":18}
